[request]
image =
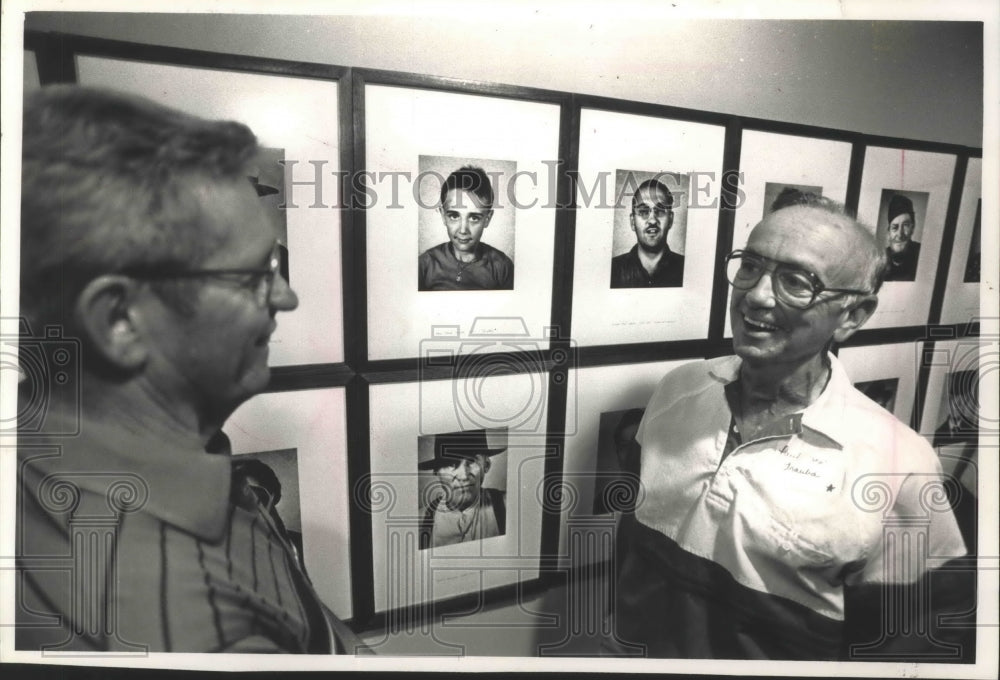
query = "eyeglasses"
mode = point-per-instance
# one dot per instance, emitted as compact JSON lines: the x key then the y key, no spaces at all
{"x":643,"y":212}
{"x":793,"y":285}
{"x":259,"y":280}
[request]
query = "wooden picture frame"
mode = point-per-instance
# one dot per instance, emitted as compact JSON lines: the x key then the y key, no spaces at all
{"x":771,"y":161}
{"x":963,"y":285}
{"x":685,"y":156}
{"x":923,"y":180}
{"x":402,"y":416}
{"x":447,"y":123}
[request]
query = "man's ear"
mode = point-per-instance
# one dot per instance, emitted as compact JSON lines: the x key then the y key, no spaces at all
{"x":105,"y":314}
{"x":855,"y":317}
{"x":489,"y":216}
{"x":670,"y":219}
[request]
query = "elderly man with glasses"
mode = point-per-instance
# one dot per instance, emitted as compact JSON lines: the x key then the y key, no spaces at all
{"x":782,"y":505}
{"x":149,"y":274}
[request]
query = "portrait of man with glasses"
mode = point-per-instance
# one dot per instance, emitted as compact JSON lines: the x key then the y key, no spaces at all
{"x":650,"y":263}
{"x":145,"y":245}
{"x":758,"y":536}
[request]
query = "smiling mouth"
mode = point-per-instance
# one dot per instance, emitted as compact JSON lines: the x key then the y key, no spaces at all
{"x":758,"y":326}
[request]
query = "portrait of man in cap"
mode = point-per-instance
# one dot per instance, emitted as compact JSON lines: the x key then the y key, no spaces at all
{"x":900,"y":248}
{"x":460,"y":508}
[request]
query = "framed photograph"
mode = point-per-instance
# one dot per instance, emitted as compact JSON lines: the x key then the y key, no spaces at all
{"x":463,"y":486}
{"x":773,"y":165}
{"x":776,"y":168}
{"x":456,"y":506}
{"x":650,"y":229}
{"x":951,"y":412}
{"x":460,"y":213}
{"x":962,"y":290}
{"x":648,"y":199}
{"x":887,"y":374}
{"x":456,"y":252}
{"x":295,"y":120}
{"x":903,"y":200}
{"x":952,"y":422}
{"x":600,"y":464}
{"x":298,"y":441}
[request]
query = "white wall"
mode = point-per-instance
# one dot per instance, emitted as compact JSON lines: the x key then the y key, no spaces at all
{"x":919,"y":80}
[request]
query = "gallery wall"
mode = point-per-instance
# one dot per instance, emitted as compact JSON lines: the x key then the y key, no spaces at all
{"x":710,"y":68}
{"x":900,"y":79}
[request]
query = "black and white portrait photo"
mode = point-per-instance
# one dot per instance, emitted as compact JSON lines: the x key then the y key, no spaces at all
{"x":779,"y":195}
{"x":900,"y":225}
{"x":882,"y":392}
{"x":463,"y":487}
{"x":614,"y":337}
{"x":274,"y":478}
{"x":464,"y":202}
{"x":649,"y":229}
{"x":616,"y":473}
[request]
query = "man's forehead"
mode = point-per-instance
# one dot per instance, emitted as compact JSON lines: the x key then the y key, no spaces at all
{"x":650,"y":196}
{"x":811,"y":237}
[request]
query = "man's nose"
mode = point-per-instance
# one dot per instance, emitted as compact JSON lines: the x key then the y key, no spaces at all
{"x":462,"y":470}
{"x":283,"y":298}
{"x":762,"y":294}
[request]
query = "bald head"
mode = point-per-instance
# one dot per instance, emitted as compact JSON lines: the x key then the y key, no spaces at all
{"x":777,"y":325}
{"x":847,"y":244}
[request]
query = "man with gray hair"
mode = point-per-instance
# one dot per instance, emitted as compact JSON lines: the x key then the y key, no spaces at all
{"x":144,"y":247}
{"x":779,"y":499}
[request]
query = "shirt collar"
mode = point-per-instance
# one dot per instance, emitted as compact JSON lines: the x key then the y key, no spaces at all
{"x":187,"y":488}
{"x":823,"y":415}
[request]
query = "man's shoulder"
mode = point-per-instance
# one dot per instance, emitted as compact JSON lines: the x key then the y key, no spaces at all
{"x":883,"y":436}
{"x":435,"y":252}
{"x":693,"y":377}
{"x":624,"y":257}
{"x":495,"y":255}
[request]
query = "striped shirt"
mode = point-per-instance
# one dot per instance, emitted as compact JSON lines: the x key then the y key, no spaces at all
{"x":126,"y":547}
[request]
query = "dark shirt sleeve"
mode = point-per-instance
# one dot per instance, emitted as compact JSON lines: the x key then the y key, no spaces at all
{"x":505,"y":273}
{"x":423,"y":265}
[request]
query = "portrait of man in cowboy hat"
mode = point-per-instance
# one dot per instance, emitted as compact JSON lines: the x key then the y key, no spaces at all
{"x":459,"y":507}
